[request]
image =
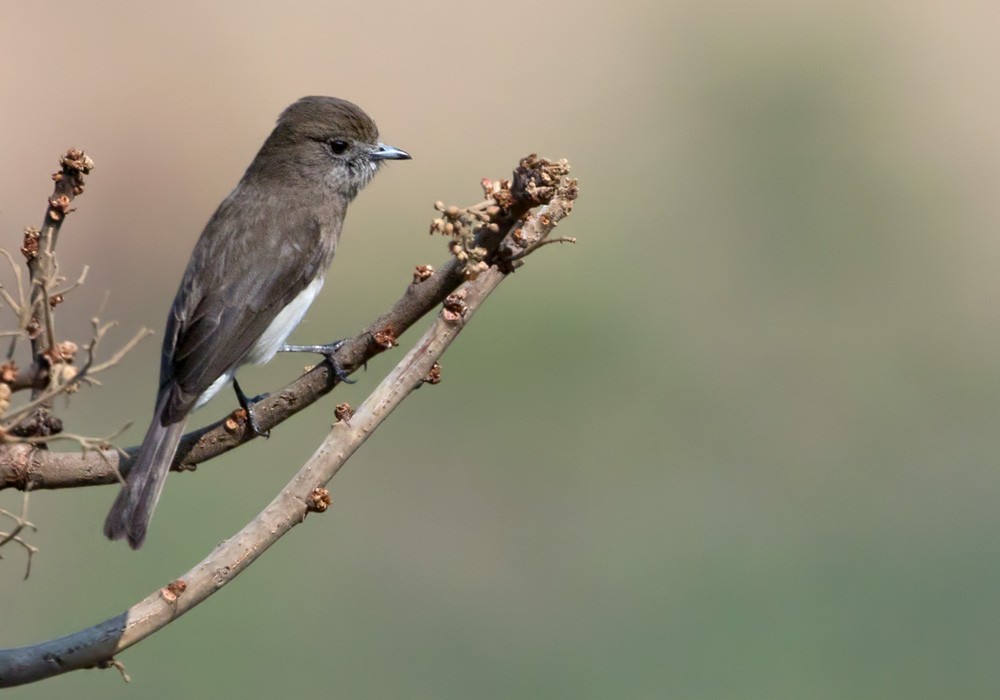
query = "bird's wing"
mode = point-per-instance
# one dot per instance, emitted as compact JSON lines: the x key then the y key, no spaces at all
{"x":251,"y":261}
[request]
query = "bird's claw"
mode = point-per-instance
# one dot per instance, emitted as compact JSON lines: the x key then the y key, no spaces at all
{"x":252,"y":422}
{"x":247,"y":405}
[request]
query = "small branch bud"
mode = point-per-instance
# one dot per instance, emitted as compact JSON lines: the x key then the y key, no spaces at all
{"x":434,"y":376}
{"x":422,"y":272}
{"x":343,"y":412}
{"x":385,"y":339}
{"x":8,"y":372}
{"x":173,"y":590}
{"x":29,"y":248}
{"x":234,"y":420}
{"x":319,"y":500}
{"x":454,"y":306}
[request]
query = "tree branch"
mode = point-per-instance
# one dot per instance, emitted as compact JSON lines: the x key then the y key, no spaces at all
{"x":40,"y":247}
{"x":23,"y":468}
{"x":305,"y":493}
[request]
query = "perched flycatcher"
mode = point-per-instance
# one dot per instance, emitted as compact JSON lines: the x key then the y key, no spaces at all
{"x":254,"y":272}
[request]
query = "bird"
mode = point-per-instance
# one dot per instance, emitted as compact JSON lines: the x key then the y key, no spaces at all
{"x":257,"y":267}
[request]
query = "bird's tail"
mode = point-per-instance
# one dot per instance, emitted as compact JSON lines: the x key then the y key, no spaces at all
{"x":129,"y":516}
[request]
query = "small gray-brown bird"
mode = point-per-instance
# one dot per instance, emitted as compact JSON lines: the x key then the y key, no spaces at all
{"x":254,"y":272}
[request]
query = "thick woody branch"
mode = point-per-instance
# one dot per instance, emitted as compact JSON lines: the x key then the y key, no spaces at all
{"x":24,"y":468}
{"x":305,"y":493}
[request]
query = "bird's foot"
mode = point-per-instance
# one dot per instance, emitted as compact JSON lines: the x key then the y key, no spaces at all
{"x":247,"y":405}
{"x":328,"y":351}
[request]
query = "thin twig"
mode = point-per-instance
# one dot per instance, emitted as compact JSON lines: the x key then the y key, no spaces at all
{"x":20,"y":523}
{"x":86,"y":372}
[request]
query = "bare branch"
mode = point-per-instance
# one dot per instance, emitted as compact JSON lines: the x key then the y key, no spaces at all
{"x":305,"y":493}
{"x":60,"y":470}
{"x":92,"y":369}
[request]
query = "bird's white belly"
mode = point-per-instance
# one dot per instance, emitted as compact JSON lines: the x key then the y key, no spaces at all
{"x":271,"y":339}
{"x":282,"y":326}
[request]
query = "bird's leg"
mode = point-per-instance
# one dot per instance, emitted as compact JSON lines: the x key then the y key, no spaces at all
{"x":328,"y":351}
{"x":247,"y":405}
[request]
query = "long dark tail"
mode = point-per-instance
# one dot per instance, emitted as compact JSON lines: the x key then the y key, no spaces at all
{"x":129,"y":516}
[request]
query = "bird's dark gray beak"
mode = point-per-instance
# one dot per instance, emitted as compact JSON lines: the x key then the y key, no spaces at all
{"x":384,"y":152}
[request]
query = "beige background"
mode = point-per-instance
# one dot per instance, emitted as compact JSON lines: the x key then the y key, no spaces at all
{"x":741,"y":441}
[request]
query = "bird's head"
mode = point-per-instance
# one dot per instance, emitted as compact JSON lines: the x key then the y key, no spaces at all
{"x":325,"y":139}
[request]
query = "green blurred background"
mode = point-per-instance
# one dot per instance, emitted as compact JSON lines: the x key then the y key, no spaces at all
{"x":740,"y":442}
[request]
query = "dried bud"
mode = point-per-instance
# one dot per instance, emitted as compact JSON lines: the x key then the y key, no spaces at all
{"x":8,"y":372}
{"x":173,"y":590}
{"x":385,"y":338}
{"x":422,"y":272}
{"x":77,"y":160}
{"x":343,"y":412}
{"x":5,"y":393}
{"x":234,"y":420}
{"x":39,"y":424}
{"x":458,"y":251}
{"x":64,"y":374}
{"x":67,"y":350}
{"x":59,"y":207}
{"x":473,"y":270}
{"x":454,"y":306}
{"x":62,"y":353}
{"x":29,"y":248}
{"x":319,"y":500}
{"x":434,"y":376}
{"x":33,"y":328}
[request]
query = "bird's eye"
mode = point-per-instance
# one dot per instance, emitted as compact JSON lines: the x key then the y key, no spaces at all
{"x":337,"y":146}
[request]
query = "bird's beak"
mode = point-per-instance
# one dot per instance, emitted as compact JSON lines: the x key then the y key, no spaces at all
{"x":384,"y":152}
